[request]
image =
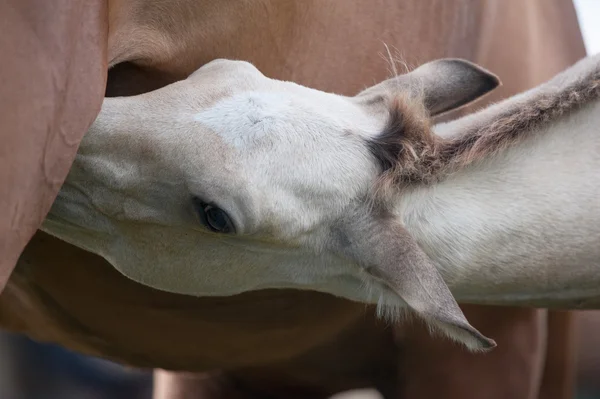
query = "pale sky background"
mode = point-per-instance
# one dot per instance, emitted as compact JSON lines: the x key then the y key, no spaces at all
{"x":588,"y":12}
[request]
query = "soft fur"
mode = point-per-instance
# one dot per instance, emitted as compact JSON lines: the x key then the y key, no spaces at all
{"x":296,"y":170}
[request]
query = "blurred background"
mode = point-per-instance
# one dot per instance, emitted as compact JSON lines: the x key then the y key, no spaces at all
{"x":30,"y":370}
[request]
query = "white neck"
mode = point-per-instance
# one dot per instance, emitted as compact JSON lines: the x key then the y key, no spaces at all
{"x":522,"y":227}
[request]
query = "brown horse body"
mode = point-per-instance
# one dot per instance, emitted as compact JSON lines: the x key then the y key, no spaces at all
{"x":280,"y":342}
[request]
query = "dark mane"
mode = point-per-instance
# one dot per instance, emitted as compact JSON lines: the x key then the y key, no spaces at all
{"x":407,"y":145}
{"x":409,"y":152}
{"x":519,"y":122}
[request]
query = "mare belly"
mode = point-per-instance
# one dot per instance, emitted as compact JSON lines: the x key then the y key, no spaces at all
{"x":78,"y":300}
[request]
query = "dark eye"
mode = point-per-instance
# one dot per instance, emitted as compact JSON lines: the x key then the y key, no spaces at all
{"x":217,"y":220}
{"x":214,"y":218}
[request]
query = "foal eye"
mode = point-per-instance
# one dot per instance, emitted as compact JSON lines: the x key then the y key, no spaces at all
{"x":214,"y":218}
{"x":217,"y":220}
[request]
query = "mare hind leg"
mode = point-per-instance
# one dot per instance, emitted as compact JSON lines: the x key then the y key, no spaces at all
{"x":192,"y":386}
{"x":435,"y":368}
{"x":560,"y":366}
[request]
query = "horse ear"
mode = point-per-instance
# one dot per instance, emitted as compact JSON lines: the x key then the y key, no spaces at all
{"x":444,"y":85}
{"x":390,"y":255}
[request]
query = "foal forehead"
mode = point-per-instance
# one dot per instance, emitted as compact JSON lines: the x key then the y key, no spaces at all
{"x":285,"y":113}
{"x":248,"y":107}
{"x":244,"y":118}
{"x":240,"y":77}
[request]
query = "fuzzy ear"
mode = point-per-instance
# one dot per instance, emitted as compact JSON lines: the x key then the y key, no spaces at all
{"x":390,"y":255}
{"x":444,"y":85}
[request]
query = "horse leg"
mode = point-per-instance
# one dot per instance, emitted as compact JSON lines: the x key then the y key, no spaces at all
{"x":559,"y":371}
{"x":436,"y":368}
{"x":171,"y":385}
{"x":53,"y":76}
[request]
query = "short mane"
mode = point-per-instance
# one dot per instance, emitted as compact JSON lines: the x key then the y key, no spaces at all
{"x":409,"y":152}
